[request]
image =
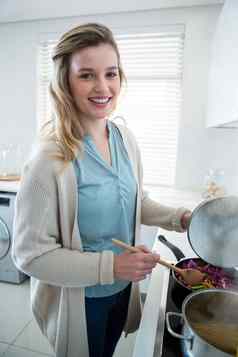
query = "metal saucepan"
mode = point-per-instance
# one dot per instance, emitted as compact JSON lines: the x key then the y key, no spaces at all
{"x":210,"y":323}
{"x":179,"y":289}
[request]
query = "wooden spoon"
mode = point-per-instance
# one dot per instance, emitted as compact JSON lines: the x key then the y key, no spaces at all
{"x":190,"y":276}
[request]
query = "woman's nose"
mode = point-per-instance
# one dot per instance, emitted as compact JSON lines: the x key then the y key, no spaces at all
{"x":101,"y":84}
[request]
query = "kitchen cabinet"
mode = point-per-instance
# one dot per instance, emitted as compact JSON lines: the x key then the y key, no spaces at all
{"x":222,"y":108}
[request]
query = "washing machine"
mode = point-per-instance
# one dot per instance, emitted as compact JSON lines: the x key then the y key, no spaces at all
{"x":8,"y":271}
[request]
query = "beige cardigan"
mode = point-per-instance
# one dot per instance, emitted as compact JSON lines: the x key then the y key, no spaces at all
{"x":47,"y":246}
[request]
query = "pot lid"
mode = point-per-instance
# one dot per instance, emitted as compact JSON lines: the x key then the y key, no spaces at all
{"x":213,"y":231}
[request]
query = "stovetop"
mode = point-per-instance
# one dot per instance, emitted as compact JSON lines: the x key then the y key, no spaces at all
{"x":171,"y":345}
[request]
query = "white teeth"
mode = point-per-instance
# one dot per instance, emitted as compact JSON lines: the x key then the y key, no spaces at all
{"x":99,"y":100}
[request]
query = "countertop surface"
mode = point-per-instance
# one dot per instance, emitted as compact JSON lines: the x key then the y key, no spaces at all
{"x":150,"y":334}
{"x":9,"y":186}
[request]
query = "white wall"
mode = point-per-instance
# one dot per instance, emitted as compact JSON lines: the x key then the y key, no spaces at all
{"x":198,"y":148}
{"x":15,"y":10}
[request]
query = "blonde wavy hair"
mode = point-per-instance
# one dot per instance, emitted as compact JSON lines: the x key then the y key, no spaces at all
{"x":65,"y":127}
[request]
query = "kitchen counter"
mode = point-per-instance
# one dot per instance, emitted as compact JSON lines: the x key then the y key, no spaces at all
{"x":149,"y":338}
{"x":9,"y":186}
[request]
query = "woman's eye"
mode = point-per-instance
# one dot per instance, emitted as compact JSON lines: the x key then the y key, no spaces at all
{"x":86,"y":76}
{"x":112,"y":74}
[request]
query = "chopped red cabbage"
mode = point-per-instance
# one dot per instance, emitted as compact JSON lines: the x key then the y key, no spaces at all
{"x":215,"y":277}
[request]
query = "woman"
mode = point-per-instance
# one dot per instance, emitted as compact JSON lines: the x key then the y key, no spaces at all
{"x":82,"y":188}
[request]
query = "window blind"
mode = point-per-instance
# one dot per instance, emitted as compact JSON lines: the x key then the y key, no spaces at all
{"x":44,"y":72}
{"x":150,"y":103}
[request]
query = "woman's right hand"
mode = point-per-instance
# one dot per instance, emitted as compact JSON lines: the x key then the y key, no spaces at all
{"x":135,"y":266}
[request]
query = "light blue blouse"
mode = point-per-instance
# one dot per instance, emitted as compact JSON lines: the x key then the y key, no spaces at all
{"x":107,"y":196}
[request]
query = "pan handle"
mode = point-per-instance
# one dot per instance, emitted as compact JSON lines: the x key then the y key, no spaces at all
{"x":177,"y":252}
{"x":171,"y":315}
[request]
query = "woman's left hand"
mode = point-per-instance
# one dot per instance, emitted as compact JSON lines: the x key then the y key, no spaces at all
{"x":185,"y":219}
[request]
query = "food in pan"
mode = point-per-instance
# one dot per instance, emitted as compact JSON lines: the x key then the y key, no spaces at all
{"x":215,"y":277}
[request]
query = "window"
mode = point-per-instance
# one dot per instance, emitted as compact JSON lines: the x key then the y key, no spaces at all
{"x":150,"y":102}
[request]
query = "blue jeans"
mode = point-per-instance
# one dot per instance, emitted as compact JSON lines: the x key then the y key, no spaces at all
{"x":106,"y":317}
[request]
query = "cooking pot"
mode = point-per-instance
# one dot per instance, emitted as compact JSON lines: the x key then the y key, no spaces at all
{"x":210,"y":320}
{"x":179,"y":289}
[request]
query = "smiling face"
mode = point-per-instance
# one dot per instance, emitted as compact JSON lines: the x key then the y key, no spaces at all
{"x":95,"y":81}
